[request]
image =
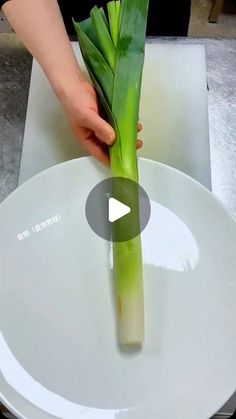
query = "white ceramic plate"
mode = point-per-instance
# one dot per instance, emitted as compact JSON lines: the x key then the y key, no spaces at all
{"x":59,"y":356}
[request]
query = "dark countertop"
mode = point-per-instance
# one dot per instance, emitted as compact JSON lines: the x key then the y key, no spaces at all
{"x":15,"y":69}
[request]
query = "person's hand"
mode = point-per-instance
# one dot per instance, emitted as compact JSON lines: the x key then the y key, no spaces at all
{"x":51,"y":47}
{"x":82,"y":108}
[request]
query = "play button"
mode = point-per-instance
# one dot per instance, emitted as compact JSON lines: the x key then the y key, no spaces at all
{"x":117,"y":209}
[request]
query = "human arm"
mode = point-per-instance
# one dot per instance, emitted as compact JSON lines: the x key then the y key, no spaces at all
{"x":40,"y":26}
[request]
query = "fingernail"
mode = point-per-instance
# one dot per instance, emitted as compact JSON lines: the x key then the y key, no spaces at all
{"x":110,"y":139}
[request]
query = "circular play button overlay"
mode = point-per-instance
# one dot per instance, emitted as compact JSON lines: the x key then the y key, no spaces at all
{"x":118,"y":209}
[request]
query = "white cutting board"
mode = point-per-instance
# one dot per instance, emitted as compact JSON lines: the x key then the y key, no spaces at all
{"x":174,"y":113}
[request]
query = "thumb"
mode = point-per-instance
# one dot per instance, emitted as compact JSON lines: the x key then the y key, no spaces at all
{"x":102,"y":129}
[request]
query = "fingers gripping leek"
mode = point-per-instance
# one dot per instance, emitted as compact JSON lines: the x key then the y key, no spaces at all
{"x":113,"y":51}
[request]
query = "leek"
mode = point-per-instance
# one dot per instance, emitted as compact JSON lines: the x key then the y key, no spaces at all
{"x":113,"y":51}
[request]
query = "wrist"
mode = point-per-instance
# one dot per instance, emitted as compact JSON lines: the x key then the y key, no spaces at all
{"x":64,"y":87}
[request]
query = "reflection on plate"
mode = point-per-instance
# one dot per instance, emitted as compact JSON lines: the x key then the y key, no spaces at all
{"x":175,"y":246}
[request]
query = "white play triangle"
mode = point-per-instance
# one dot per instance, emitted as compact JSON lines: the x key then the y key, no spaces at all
{"x":117,"y":210}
